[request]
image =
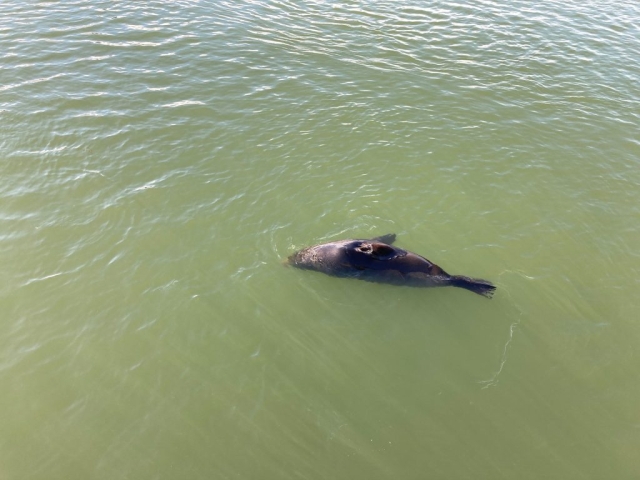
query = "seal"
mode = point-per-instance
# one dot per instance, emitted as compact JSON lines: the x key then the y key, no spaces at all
{"x":377,"y":260}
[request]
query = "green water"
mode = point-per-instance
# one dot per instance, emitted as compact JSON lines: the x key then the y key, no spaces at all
{"x":159,"y":160}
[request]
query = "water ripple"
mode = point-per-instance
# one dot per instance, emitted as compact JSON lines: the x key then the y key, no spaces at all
{"x":160,"y":159}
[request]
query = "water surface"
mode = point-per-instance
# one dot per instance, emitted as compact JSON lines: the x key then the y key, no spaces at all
{"x":160,"y":160}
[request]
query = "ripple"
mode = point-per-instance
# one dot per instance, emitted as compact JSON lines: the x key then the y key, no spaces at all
{"x":161,"y":158}
{"x":183,"y":103}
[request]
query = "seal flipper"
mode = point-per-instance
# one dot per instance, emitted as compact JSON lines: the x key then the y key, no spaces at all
{"x":389,"y":238}
{"x":476,"y":285}
{"x":373,"y":250}
{"x":383,"y":251}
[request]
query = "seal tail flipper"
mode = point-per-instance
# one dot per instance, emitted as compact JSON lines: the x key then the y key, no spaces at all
{"x":389,"y":238}
{"x":476,"y":285}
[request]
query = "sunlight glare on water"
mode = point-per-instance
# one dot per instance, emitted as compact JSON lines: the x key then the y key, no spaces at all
{"x":160,"y":160}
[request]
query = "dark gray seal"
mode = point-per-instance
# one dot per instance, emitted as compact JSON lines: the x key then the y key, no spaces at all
{"x":376,"y":260}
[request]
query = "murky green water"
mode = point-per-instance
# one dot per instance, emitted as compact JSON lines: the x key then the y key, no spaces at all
{"x":158,"y":160}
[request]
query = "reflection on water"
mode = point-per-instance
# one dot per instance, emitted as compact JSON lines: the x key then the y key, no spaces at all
{"x":162,"y":160}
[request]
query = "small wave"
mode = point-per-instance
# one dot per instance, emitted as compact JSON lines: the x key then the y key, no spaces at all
{"x":183,"y":103}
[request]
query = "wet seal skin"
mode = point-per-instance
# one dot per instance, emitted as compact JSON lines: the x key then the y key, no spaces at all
{"x":377,"y":260}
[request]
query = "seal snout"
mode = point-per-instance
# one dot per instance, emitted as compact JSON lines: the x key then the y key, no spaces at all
{"x":291,"y":259}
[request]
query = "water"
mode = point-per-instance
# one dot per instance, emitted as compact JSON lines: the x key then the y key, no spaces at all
{"x":159,"y":160}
